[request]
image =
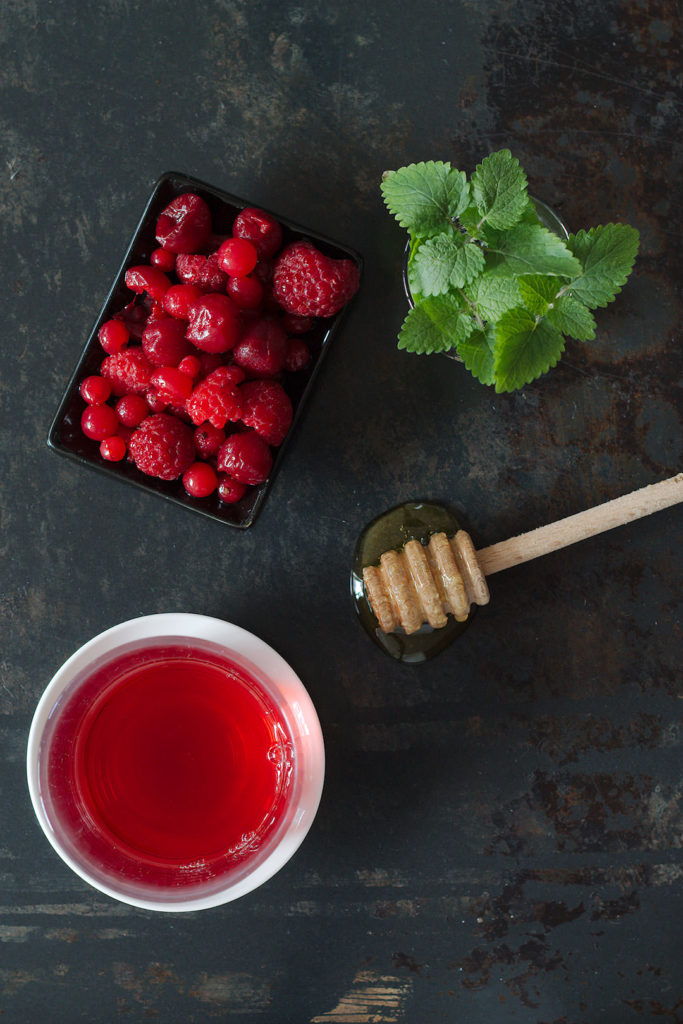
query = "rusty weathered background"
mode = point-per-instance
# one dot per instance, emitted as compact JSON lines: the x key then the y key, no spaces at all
{"x":500,"y":835}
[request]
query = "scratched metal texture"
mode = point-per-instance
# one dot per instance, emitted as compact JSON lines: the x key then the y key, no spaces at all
{"x":500,"y":833}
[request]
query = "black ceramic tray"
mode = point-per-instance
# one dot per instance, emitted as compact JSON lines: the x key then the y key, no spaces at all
{"x":65,"y":436}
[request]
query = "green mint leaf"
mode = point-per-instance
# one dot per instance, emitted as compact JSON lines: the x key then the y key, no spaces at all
{"x":437,"y":324}
{"x":499,"y":189}
{"x":571,"y":317}
{"x":537,"y":292}
{"x":476,"y":352}
{"x":493,"y":296}
{"x":607,"y":254}
{"x":531,"y":249}
{"x":525,"y":349}
{"x":445,"y":261}
{"x":424,"y":196}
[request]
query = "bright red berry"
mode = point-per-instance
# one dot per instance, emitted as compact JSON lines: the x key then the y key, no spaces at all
{"x":294,"y":324}
{"x":113,"y":336}
{"x":164,"y":260}
{"x":164,"y":342}
{"x":172,"y":383}
{"x":208,"y":439}
{"x":246,"y":458}
{"x":179,"y":300}
{"x":230,"y":490}
{"x":204,"y":272}
{"x":262,"y":349}
{"x":267,"y":409}
{"x":98,"y":422}
{"x":214,"y":324}
{"x":128,"y":371}
{"x":148,"y":279}
{"x":200,"y":480}
{"x":155,"y":400}
{"x":113,"y":449}
{"x":308,"y":283}
{"x":185,"y":224}
{"x":95,"y":390}
{"x":162,"y":446}
{"x":190,"y":365}
{"x":246,"y":292}
{"x":217,"y":398}
{"x":261,"y":229}
{"x":237,"y":257}
{"x":131,"y":410}
{"x":298,"y":355}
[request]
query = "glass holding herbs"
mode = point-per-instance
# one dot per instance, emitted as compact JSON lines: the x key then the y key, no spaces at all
{"x":488,"y":280}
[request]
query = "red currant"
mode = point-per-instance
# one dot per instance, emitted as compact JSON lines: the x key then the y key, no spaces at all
{"x":230,"y":490}
{"x":98,"y":422}
{"x":164,"y":260}
{"x":113,"y":336}
{"x":95,"y":390}
{"x":208,"y":439}
{"x":200,"y":480}
{"x":113,"y":449}
{"x":237,"y":257}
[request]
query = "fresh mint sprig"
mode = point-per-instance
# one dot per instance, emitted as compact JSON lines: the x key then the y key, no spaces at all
{"x":488,"y":280}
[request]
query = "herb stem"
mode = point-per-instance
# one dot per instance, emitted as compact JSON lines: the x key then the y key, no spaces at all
{"x":473,"y":307}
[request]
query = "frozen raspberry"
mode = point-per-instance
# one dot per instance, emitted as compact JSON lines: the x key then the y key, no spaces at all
{"x":128,"y":371}
{"x":262,"y":349}
{"x":298,"y":355}
{"x":185,"y":225}
{"x":308,"y":283}
{"x":266,"y":408}
{"x":246,"y":458}
{"x":148,"y":279}
{"x":261,"y":229}
{"x":208,"y":439}
{"x":200,"y":480}
{"x":179,"y":300}
{"x":162,"y":446}
{"x":204,"y":272}
{"x":214,"y":324}
{"x":217,"y":399}
{"x":164,"y":342}
{"x":230,"y":490}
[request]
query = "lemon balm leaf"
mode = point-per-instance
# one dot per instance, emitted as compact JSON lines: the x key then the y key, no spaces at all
{"x":499,"y":189}
{"x":477,"y":353}
{"x":436,"y":325}
{"x":424,"y":197}
{"x":526,"y":347}
{"x":606,"y":254}
{"x":573,"y":318}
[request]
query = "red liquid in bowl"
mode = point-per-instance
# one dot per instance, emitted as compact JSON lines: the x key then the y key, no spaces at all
{"x":177,"y":762}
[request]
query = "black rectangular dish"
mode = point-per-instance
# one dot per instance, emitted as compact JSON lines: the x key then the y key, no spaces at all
{"x":65,"y":435}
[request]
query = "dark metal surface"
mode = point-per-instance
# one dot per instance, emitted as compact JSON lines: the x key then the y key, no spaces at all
{"x":501,"y":829}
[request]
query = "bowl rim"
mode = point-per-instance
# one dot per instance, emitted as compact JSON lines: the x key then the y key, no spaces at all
{"x":245,"y":645}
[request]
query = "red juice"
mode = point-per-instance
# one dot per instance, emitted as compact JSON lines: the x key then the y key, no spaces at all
{"x":175,"y":759}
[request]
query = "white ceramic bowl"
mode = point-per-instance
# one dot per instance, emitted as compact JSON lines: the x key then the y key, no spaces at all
{"x":291,"y":700}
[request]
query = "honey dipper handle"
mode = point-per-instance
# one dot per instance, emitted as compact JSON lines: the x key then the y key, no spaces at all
{"x":581,"y":526}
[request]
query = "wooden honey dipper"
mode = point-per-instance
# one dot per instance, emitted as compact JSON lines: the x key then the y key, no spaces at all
{"x":425,"y":583}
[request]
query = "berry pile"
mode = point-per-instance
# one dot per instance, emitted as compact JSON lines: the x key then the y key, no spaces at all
{"x":192,"y":384}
